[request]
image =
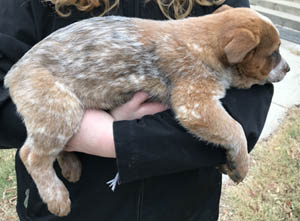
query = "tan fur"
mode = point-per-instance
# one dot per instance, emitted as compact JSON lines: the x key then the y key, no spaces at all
{"x":187,"y":64}
{"x":70,"y":166}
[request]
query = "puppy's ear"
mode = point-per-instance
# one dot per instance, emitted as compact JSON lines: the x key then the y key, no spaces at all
{"x":222,"y":8}
{"x":241,"y":42}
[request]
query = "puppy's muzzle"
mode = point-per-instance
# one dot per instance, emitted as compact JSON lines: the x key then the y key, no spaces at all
{"x":279,"y":72}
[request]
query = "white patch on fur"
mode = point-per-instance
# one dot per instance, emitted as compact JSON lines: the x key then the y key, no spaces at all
{"x":61,"y":87}
{"x":166,"y":38}
{"x":41,"y":130}
{"x":182,"y":109}
{"x":81,"y":76}
{"x":197,"y":48}
{"x":195,"y":114}
{"x":134,"y":79}
{"x":182,"y":112}
{"x":61,"y":137}
{"x":114,"y":84}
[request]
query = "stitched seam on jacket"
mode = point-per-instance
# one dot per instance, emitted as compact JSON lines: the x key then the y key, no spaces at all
{"x":140,"y":201}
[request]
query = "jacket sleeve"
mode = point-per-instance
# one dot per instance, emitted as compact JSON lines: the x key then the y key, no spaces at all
{"x":157,"y":145}
{"x":17,"y":35}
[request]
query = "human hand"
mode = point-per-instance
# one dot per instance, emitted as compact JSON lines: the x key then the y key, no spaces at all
{"x":136,"y":108}
{"x":95,"y":135}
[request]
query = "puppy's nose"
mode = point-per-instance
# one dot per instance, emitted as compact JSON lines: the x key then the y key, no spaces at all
{"x":287,"y":68}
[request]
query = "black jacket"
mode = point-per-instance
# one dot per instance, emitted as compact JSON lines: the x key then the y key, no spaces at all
{"x":165,"y":173}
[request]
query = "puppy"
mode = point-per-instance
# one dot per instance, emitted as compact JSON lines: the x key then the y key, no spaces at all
{"x":99,"y":63}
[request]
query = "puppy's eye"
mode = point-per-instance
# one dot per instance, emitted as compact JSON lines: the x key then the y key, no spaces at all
{"x":275,"y":53}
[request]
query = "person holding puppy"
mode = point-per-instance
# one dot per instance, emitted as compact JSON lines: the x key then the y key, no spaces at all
{"x":164,"y":172}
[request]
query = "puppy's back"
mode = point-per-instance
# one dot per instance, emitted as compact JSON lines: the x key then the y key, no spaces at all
{"x":95,"y":58}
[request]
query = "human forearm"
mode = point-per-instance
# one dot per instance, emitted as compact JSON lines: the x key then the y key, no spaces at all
{"x":95,"y":135}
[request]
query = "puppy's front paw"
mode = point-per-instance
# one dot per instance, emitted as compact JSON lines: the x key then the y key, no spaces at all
{"x":237,"y":168}
{"x":237,"y":175}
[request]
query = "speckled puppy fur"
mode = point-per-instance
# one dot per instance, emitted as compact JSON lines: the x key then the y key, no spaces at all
{"x":101,"y":62}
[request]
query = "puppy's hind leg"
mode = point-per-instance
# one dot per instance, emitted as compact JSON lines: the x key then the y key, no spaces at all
{"x":70,"y":166}
{"x":52,"y":114}
{"x":51,"y":189}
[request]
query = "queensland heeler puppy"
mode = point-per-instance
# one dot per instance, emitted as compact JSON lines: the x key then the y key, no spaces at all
{"x":99,"y":63}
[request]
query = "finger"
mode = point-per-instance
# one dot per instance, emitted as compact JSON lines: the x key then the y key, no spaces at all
{"x":139,"y":98}
{"x":152,"y":108}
